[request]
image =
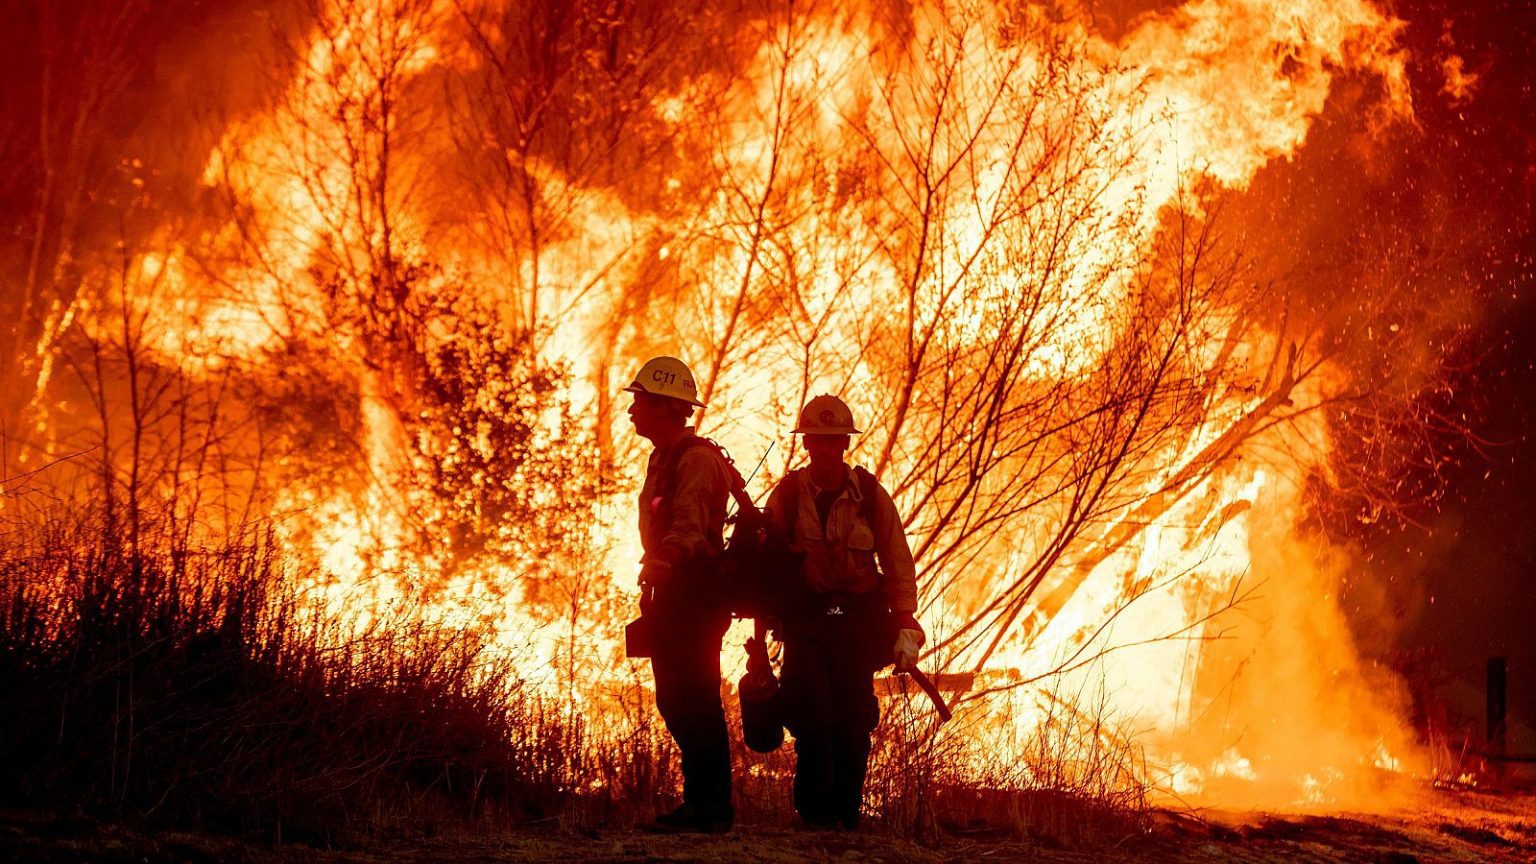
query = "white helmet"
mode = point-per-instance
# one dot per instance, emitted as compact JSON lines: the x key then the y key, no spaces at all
{"x":826,"y":415}
{"x":666,"y":376}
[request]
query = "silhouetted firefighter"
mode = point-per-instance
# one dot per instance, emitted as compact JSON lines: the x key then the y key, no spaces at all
{"x":848,"y":614}
{"x":682,"y":519}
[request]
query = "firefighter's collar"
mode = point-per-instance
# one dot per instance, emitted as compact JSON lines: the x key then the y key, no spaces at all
{"x":661,"y":453}
{"x":850,"y":482}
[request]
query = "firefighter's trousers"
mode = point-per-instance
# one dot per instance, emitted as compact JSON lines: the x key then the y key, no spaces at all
{"x":686,"y":663}
{"x":830,"y":658}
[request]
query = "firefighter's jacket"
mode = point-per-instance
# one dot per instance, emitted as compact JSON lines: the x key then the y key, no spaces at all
{"x":841,"y":556}
{"x":698,"y":500}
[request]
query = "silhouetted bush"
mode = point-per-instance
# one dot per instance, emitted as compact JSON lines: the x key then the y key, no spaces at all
{"x":201,"y":688}
{"x":196,"y":688}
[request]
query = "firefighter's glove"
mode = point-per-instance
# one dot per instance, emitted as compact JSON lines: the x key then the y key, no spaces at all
{"x":909,"y":641}
{"x":654,"y":574}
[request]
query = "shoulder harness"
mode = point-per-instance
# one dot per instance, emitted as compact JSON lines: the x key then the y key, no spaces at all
{"x":868,"y":486}
{"x":737,"y":485}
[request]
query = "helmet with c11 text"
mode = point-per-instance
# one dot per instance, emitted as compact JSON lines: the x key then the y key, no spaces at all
{"x":666,"y":376}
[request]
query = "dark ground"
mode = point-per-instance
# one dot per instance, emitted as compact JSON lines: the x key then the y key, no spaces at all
{"x":1445,"y":827}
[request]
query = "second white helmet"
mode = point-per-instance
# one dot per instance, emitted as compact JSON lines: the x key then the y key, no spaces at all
{"x":826,"y":415}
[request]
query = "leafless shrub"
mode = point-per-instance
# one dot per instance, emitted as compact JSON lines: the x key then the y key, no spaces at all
{"x":1056,"y":770}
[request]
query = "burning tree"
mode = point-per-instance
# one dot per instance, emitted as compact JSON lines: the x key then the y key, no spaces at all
{"x":977,"y":225}
{"x":1006,"y":239}
{"x":55,"y":143}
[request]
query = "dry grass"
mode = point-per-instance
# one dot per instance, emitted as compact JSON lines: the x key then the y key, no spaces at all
{"x":1068,"y":778}
{"x":194,"y":687}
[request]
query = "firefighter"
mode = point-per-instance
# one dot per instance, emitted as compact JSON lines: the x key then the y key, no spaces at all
{"x":682,"y":518}
{"x":852,"y":612}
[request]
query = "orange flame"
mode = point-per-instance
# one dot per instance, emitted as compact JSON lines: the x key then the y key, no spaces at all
{"x":776,"y":257}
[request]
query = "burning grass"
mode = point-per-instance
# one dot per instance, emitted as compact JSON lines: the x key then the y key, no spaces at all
{"x":178,"y":686}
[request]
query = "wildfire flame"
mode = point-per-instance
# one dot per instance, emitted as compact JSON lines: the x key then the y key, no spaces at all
{"x":838,"y":200}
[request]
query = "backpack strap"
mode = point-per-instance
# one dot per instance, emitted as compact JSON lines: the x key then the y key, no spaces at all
{"x":791,"y":484}
{"x":737,"y":485}
{"x":868,"y":489}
